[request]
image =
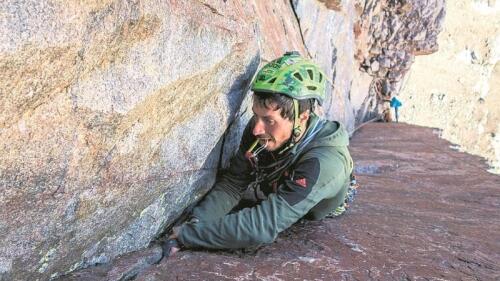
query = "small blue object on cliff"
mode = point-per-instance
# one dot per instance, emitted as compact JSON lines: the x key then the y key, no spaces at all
{"x":396,"y":104}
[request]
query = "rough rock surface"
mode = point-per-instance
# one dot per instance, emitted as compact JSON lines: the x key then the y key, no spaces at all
{"x":389,"y":34}
{"x":329,"y":39}
{"x":419,"y":215}
{"x":114,"y":113}
{"x":394,"y":32}
{"x":277,"y":29}
{"x":96,"y":100}
{"x":125,"y":267}
{"x":457,"y":89}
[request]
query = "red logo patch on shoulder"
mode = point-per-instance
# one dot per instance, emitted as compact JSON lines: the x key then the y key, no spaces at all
{"x":302,"y":182}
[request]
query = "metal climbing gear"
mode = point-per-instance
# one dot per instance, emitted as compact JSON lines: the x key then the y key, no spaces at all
{"x":352,"y":191}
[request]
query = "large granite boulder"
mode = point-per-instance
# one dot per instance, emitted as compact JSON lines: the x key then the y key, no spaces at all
{"x":111,"y":122}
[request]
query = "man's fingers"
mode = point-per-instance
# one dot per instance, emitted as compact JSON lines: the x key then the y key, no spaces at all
{"x":170,"y":247}
{"x":173,"y":250}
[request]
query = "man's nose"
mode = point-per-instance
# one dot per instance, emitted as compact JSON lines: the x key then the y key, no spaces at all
{"x":258,"y":128}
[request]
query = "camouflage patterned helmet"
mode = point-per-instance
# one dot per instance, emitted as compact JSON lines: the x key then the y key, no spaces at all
{"x":293,"y":76}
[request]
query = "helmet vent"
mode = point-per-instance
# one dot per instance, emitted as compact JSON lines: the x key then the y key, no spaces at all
{"x":272,"y":80}
{"x":312,"y":88}
{"x":310,"y":72}
{"x":320,"y":77}
{"x":298,"y":76}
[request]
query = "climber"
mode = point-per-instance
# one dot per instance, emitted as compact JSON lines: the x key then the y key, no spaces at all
{"x":290,"y":164}
{"x":395,"y":103}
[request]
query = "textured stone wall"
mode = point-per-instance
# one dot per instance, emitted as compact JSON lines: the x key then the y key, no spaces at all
{"x":112,"y":115}
{"x":328,"y":34}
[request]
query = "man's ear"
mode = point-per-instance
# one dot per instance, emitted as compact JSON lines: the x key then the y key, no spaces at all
{"x":304,"y":116}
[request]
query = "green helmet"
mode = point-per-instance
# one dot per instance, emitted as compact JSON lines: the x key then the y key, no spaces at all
{"x":293,"y":76}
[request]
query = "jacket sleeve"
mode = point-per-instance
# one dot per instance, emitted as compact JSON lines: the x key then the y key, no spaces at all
{"x":229,"y":187}
{"x":227,"y":190}
{"x":261,"y":224}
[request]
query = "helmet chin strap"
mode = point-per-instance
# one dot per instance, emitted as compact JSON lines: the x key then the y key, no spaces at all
{"x":296,"y":122}
{"x":297,"y":130}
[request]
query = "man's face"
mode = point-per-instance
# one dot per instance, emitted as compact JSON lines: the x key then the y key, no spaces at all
{"x":270,"y":127}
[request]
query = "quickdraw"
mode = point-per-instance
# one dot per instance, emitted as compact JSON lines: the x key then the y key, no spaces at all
{"x":352,"y":191}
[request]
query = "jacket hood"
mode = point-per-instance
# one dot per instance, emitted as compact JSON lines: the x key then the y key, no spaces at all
{"x":333,"y":133}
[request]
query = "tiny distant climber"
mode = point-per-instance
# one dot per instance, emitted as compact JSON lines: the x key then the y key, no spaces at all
{"x":291,"y":164}
{"x":395,"y":103}
{"x":383,"y":90}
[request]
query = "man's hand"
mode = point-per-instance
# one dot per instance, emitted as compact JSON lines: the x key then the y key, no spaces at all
{"x":170,"y":247}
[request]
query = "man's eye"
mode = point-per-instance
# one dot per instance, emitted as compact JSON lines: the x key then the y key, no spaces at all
{"x":270,"y":121}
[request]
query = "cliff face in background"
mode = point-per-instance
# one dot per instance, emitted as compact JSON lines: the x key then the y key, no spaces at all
{"x":389,"y":34}
{"x":114,"y":114}
{"x":457,"y":89}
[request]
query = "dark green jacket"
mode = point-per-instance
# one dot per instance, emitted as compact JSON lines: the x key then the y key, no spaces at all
{"x":314,"y":185}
